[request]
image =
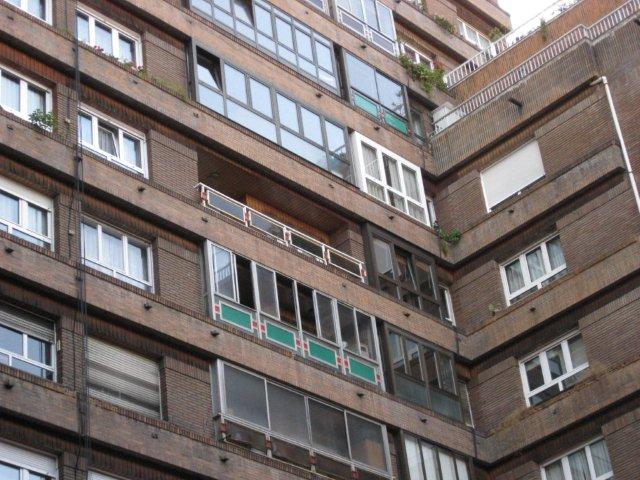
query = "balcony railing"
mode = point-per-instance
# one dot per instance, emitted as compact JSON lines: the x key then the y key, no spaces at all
{"x":507,"y":41}
{"x":536,"y":62}
{"x":284,"y":234}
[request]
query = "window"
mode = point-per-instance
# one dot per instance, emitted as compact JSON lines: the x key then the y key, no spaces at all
{"x":425,"y":461}
{"x":108,"y":37}
{"x":38,"y":8}
{"x":284,"y":311}
{"x":416,"y":56}
{"x":512,"y":174}
{"x":377,"y":94}
{"x":554,"y":369}
{"x":473,"y":36}
{"x":123,"y":378}
{"x":112,"y":140}
{"x":22,"y":97}
{"x":390,"y":178}
{"x":114,"y":253}
{"x":446,"y":305}
{"x":401,"y":271}
{"x":100,"y":476}
{"x":340,"y":439}
{"x":272,"y":30}
{"x":26,"y":214}
{"x":417,"y":125}
{"x":272,"y":114}
{"x":21,"y":464}
{"x":533,"y":269}
{"x":26,"y":342}
{"x":370,"y":19}
{"x":590,"y":462}
{"x":421,"y":374}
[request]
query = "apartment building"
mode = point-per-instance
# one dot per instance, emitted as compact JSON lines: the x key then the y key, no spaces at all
{"x":309,"y":239}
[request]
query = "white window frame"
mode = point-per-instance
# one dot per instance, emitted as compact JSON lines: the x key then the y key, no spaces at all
{"x":366,"y":28}
{"x":544,"y":365}
{"x":28,"y":460}
{"x":416,"y":55}
{"x":117,"y":30}
{"x":24,"y":5}
{"x":448,"y":304}
{"x":51,"y":368}
{"x":25,"y":82}
{"x":473,"y":35}
{"x":25,"y":197}
{"x":361,"y":176}
{"x":564,"y":458}
{"x":122,"y":129}
{"x":126,"y":239}
{"x":522,"y":258}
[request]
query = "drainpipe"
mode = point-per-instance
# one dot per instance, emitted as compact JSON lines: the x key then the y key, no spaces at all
{"x":616,"y":123}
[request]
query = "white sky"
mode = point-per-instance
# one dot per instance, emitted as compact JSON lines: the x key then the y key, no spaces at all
{"x":523,"y":10}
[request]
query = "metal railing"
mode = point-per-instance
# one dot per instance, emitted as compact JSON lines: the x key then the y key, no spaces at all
{"x":535,"y":62}
{"x":507,"y":41}
{"x":284,"y":234}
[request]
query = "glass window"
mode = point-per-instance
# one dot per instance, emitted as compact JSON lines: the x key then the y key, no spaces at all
{"x":103,"y":38}
{"x":235,"y":84}
{"x":577,"y":464}
{"x":107,"y":36}
{"x":367,"y":444}
{"x":267,"y":291}
{"x":328,"y":430}
{"x":82,"y":27}
{"x":325,"y":317}
{"x":288,"y":113}
{"x":245,"y":396}
{"x":370,"y":19}
{"x":347,"y":327}
{"x":311,"y":126}
{"x":427,"y":462}
{"x":553,"y":369}
{"x":10,"y":90}
{"x":21,"y":216}
{"x":260,"y":97}
{"x":223,"y":272}
{"x":287,"y":413}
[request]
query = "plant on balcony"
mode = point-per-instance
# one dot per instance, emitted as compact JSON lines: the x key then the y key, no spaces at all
{"x":495,"y":34}
{"x":46,"y":121}
{"x":428,"y":77}
{"x":447,"y":239}
{"x":444,"y":24}
{"x":544,"y":30}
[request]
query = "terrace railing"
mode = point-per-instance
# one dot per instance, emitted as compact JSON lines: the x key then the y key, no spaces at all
{"x":284,"y":234}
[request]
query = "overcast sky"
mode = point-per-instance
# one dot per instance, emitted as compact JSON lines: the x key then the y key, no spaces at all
{"x":523,"y":10}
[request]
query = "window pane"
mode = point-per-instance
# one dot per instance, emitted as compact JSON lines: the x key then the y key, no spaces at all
{"x":287,"y":413}
{"x":424,"y":277}
{"x":288,"y":113}
{"x":267,"y":291}
{"x":132,"y":154}
{"x":362,"y":77}
{"x":405,"y":268}
{"x":39,"y":350}
{"x":138,"y":262}
{"x":325,"y":314}
{"x":534,"y":373}
{"x":36,"y":100}
{"x":245,"y":282}
{"x":391,"y":95}
{"x":554,"y":471}
{"x":447,"y":466}
{"x":10,"y":92}
{"x":37,"y":8}
{"x":303,"y":44}
{"x":9,"y":208}
{"x":556,"y":256}
{"x":383,"y":259}
{"x":347,"y":327}
{"x":445,"y":370}
{"x":577,"y":351}
{"x":104,"y":38}
{"x":365,"y":333}
{"x":263,"y":20}
{"x":36,"y":219}
{"x":8,"y":472}
{"x":366,"y":442}
{"x":600,"y":457}
{"x":414,"y":460}
{"x":286,"y":300}
{"x":430,"y":461}
{"x":112,"y":251}
{"x":579,"y":466}
{"x":235,"y":83}
{"x":430,"y":367}
{"x":323,"y":53}
{"x":10,"y":340}
{"x":463,"y":472}
{"x":82,"y":26}
{"x":127,"y":49}
{"x":535,"y":264}
{"x":385,"y":20}
{"x":335,"y":140}
{"x":245,"y":396}
{"x":328,"y":428}
{"x":514,"y":276}
{"x":395,"y":352}
{"x":242,"y":9}
{"x":107,"y":139}
{"x":209,"y":72}
{"x":391,"y":172}
{"x":413,"y":359}
{"x":223,"y":272}
{"x":260,"y":97}
{"x":85,"y":130}
{"x":311,"y":126}
{"x":285,"y":36}
{"x":89,"y":241}
{"x":411,"y":183}
{"x":370,"y":161}
{"x":370,"y":13}
{"x":307,"y":311}
{"x":555,"y":358}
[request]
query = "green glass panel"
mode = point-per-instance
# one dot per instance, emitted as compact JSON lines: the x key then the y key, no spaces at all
{"x":396,"y":122}
{"x":322,"y":353}
{"x":362,"y":370}
{"x":236,"y":317}
{"x":281,"y":335}
{"x":365,"y":104}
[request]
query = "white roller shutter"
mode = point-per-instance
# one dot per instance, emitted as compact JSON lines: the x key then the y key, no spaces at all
{"x":512,"y":174}
{"x":28,"y":459}
{"x":123,"y":378}
{"x":100,"y":476}
{"x":26,"y":323}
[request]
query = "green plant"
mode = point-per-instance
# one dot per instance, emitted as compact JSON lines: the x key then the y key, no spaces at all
{"x":43,"y":120}
{"x":544,"y":30}
{"x":452,"y":237}
{"x":428,"y":77}
{"x":444,"y":24}
{"x":495,"y":34}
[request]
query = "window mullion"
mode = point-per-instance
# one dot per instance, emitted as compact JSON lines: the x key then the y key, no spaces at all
{"x":525,"y":271}
{"x":115,"y":43}
{"x":545,"y":258}
{"x":23,"y":97}
{"x":544,"y":363}
{"x":92,"y":31}
{"x":125,"y":254}
{"x":592,"y":469}
{"x":567,"y":356}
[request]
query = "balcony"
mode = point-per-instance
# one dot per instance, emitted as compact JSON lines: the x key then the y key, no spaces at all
{"x":282,"y":233}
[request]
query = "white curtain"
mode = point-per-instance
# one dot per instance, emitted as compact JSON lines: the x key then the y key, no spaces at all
{"x":600,"y":457}
{"x":138,"y":262}
{"x":579,"y":466}
{"x":391,"y":170}
{"x":514,"y":276}
{"x":411,"y":183}
{"x":535,"y":264}
{"x":112,"y":251}
{"x":107,"y":140}
{"x":556,"y":256}
{"x":10,"y":92}
{"x":37,"y":220}
{"x":9,"y":208}
{"x":414,"y":462}
{"x":554,"y":471}
{"x":89,"y":242}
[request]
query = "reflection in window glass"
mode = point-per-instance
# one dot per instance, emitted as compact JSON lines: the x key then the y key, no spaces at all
{"x":327,"y":428}
{"x":245,"y":396}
